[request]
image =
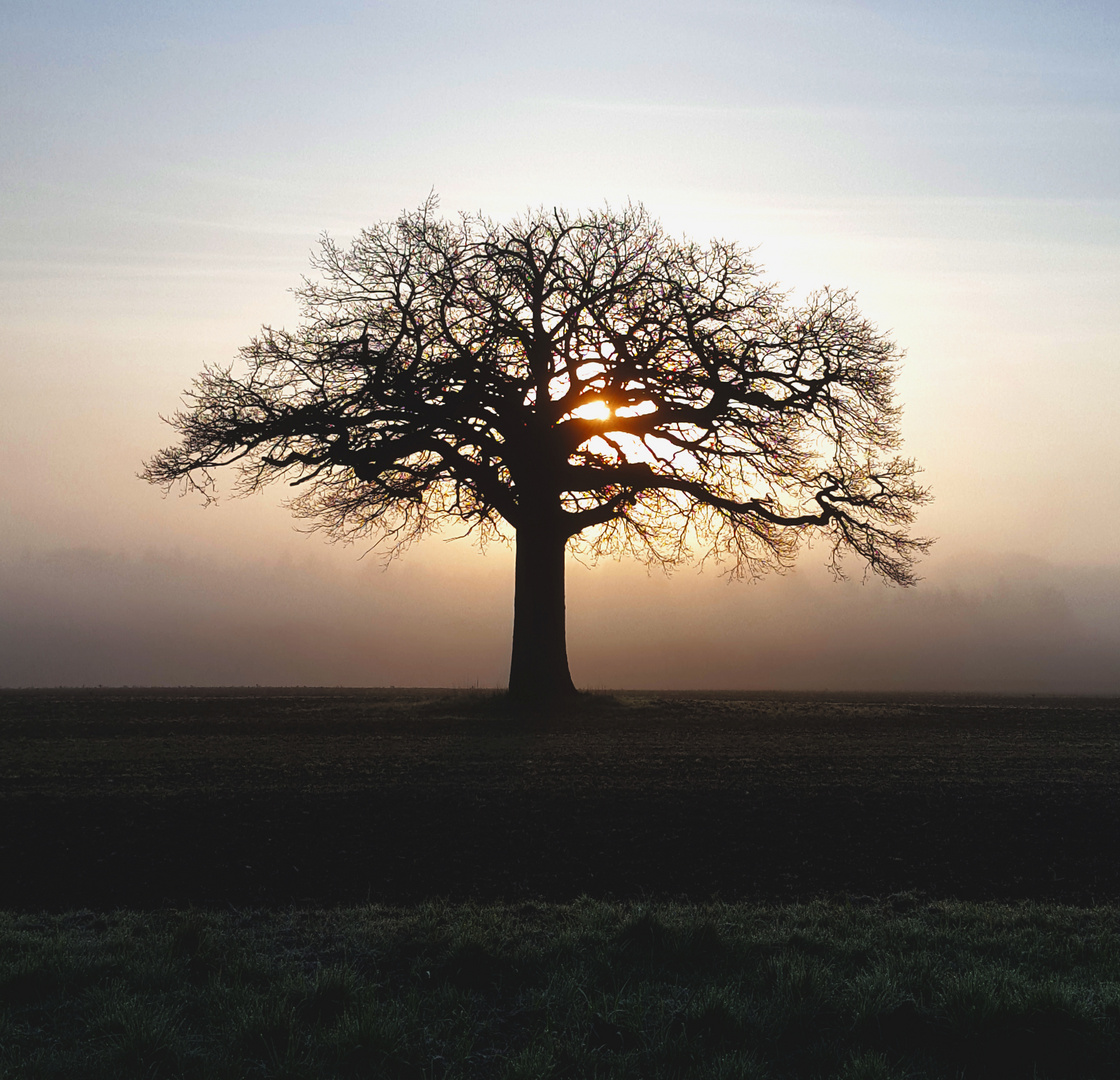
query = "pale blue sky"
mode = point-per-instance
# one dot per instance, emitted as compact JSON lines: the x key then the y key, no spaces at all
{"x":165,"y":169}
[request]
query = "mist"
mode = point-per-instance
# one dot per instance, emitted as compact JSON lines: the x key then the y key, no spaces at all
{"x":977,"y":623}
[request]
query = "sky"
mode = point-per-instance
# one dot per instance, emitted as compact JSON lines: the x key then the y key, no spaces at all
{"x":166,"y":170}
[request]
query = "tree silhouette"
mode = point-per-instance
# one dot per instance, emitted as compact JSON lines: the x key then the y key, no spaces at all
{"x":582,"y":381}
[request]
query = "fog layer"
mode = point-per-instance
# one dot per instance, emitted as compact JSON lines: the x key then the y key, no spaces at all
{"x":86,"y":617}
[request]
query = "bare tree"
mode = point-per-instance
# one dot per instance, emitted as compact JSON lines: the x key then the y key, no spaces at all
{"x":581,"y":381}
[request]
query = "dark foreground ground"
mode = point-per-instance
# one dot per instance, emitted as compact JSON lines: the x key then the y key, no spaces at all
{"x":142,"y":798}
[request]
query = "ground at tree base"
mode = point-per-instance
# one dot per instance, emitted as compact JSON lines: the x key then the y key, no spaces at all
{"x":176,"y":866}
{"x":149,"y":798}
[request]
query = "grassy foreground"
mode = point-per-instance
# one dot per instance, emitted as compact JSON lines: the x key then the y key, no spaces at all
{"x":588,"y":989}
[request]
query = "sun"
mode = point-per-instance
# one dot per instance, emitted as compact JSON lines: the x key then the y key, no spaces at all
{"x":593,"y":410}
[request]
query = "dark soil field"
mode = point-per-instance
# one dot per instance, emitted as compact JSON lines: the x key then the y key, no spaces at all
{"x":146,"y":798}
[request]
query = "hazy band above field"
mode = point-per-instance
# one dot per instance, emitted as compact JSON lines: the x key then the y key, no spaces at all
{"x":83,"y":617}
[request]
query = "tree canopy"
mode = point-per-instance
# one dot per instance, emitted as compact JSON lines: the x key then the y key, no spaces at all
{"x":577,"y":380}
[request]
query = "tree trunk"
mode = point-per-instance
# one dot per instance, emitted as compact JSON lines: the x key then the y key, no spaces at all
{"x":539,"y":667}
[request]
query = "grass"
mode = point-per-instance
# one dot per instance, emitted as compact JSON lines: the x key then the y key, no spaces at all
{"x":898,"y":988}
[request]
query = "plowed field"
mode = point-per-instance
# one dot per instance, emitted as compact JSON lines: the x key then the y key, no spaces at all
{"x":139,"y":798}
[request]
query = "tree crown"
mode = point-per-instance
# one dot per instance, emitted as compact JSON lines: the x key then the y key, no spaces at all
{"x":583,"y":374}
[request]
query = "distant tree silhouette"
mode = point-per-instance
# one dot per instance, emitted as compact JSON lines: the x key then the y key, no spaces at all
{"x":582,"y":381}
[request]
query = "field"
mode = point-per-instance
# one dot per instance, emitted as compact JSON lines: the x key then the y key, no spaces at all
{"x":435,"y":884}
{"x":212,"y":797}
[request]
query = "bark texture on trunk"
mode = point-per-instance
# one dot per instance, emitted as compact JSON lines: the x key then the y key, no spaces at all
{"x":539,"y":666}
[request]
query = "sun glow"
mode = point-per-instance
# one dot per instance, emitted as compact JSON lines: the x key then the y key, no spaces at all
{"x":593,"y":410}
{"x":623,"y":446}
